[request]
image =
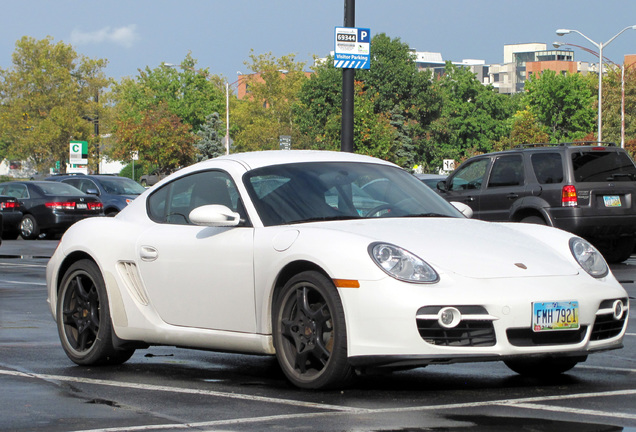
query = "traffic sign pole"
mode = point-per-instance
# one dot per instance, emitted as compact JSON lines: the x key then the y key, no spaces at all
{"x":346,"y":136}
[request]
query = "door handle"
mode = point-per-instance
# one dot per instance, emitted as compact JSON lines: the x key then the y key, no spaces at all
{"x":469,"y":199}
{"x":513,"y":196}
{"x":148,"y":253}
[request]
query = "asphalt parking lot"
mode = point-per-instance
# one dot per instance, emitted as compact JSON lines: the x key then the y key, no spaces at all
{"x":171,"y":389}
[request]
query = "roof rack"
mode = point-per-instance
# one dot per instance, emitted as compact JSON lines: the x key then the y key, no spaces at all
{"x":574,"y":143}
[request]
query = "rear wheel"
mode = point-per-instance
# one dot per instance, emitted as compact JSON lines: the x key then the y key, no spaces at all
{"x":83,"y":318}
{"x":543,"y":367}
{"x":29,"y":228}
{"x":616,"y":250}
{"x":534,"y":220}
{"x":309,"y":332}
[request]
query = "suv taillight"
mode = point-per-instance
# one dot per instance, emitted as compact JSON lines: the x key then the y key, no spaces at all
{"x":568,"y":196}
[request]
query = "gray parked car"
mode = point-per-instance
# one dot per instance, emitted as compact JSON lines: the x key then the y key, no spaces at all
{"x":115,"y":192}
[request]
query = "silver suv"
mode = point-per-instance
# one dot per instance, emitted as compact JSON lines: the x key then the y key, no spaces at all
{"x":589,"y":190}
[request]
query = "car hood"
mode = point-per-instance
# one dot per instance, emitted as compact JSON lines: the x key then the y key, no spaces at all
{"x":473,"y":248}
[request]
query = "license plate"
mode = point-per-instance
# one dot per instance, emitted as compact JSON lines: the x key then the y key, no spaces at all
{"x":612,"y":201}
{"x":561,"y":315}
{"x":81,"y":206}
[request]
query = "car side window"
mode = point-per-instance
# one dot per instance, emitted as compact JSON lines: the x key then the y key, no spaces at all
{"x":507,"y":171}
{"x":469,"y":176}
{"x":173,"y":202}
{"x":547,"y":167}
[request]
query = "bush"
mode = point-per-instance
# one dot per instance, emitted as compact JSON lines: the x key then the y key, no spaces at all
{"x":127,"y":171}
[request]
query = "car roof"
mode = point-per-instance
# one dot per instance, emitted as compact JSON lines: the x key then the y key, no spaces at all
{"x":258,"y":159}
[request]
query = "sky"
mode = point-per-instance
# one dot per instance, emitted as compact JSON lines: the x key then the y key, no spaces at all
{"x":221,"y":34}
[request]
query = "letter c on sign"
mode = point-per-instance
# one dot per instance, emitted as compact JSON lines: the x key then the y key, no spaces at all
{"x":75,"y":148}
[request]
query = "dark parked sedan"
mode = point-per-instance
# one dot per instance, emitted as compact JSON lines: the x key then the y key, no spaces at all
{"x":10,"y":217}
{"x":114,"y":192}
{"x":49,"y":208}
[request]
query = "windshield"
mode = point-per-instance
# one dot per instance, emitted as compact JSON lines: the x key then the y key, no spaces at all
{"x":318,"y":191}
{"x":56,"y":188}
{"x":121,"y":186}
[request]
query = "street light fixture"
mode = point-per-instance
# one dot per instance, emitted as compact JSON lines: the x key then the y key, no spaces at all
{"x":599,"y":45}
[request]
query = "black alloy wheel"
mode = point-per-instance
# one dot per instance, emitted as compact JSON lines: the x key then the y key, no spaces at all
{"x":309,"y":332}
{"x":83,"y":318}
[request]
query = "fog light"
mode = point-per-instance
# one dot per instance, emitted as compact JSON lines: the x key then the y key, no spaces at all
{"x":449,"y":317}
{"x":619,"y":309}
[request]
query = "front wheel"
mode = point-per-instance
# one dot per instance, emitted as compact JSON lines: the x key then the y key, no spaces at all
{"x":310,"y":336}
{"x":83,"y":318}
{"x":543,"y":367}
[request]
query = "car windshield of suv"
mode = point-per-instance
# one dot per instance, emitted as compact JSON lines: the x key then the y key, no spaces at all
{"x":319,"y":191}
{"x":121,"y":186}
{"x":602,"y":166}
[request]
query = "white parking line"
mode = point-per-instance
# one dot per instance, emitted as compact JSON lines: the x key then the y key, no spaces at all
{"x":576,"y":411}
{"x":23,"y":283}
{"x":6,"y":264}
{"x":333,"y":410}
{"x":152,"y":387}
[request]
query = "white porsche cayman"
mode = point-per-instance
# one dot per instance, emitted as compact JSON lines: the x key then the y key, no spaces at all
{"x":333,"y":262}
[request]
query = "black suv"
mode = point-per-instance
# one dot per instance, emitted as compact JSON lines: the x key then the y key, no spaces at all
{"x":587,"y":189}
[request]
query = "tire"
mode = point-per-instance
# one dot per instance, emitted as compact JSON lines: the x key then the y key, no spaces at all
{"x":29,"y":228}
{"x":534,"y":220}
{"x":310,"y":336}
{"x":10,"y":235}
{"x":543,"y":367}
{"x":83,"y":318}
{"x":616,"y":250}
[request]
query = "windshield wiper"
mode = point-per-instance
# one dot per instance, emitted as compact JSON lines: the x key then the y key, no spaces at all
{"x":614,"y":176}
{"x":324,"y":219}
{"x":427,"y":215}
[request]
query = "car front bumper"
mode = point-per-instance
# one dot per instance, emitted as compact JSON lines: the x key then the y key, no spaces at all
{"x":392,"y":323}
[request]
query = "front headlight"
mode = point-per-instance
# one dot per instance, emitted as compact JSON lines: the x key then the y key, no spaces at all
{"x":401,"y":264}
{"x":588,"y":257}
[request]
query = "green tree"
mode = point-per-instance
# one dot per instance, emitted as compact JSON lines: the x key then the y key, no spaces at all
{"x":45,"y":99}
{"x":398,"y":92}
{"x":525,"y":129}
{"x":266,"y":112}
{"x":612,"y":101}
{"x":180,"y":96}
{"x":564,"y":104}
{"x":209,"y":144}
{"x":159,"y":136}
{"x":472,"y":118}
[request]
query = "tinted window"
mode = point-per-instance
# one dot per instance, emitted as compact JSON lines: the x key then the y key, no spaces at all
{"x":547,"y":167}
{"x":470,"y":175}
{"x":121,"y":186}
{"x":173,"y":202}
{"x":601,"y":166}
{"x":507,"y":171}
{"x":305,"y":192}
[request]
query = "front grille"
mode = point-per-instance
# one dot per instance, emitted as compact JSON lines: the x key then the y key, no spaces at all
{"x":605,"y":326}
{"x":474,"y":330}
{"x":524,"y":337}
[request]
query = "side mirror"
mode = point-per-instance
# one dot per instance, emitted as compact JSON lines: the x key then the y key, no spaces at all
{"x":214,"y":215}
{"x":442,"y":185}
{"x":92,"y":191}
{"x":463,"y":208}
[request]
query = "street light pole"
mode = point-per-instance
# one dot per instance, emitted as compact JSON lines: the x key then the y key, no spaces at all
{"x":599,"y":45}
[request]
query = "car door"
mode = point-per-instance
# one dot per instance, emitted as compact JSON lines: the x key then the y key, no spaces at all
{"x":198,"y":276}
{"x":466,"y":183}
{"x":506,"y":184}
